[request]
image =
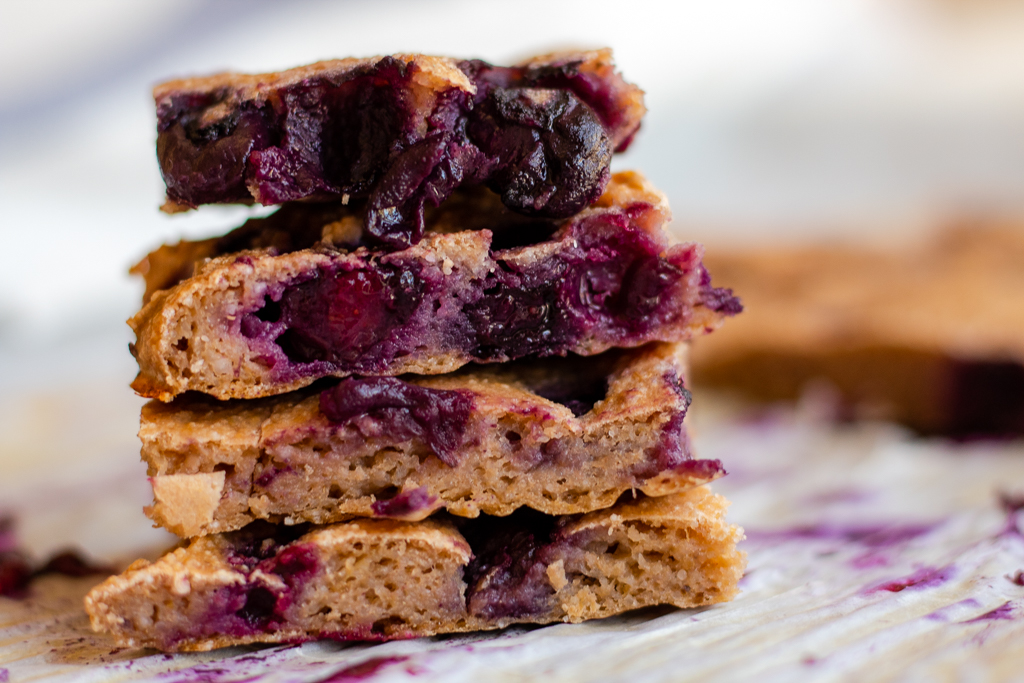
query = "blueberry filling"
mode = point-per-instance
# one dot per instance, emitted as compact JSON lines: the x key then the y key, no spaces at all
{"x":507,"y":575}
{"x":541,"y":138}
{"x":404,"y":504}
{"x":608,"y":281}
{"x":436,"y":416}
{"x":354,"y":319}
{"x":718,"y":299}
{"x":577,"y":382}
{"x":301,"y":225}
{"x":276,"y":569}
{"x":292,"y":227}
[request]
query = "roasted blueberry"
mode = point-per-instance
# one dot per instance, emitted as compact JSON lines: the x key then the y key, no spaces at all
{"x":541,"y":137}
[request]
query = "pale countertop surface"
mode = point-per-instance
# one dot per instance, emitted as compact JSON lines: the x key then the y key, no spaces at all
{"x":872,"y":555}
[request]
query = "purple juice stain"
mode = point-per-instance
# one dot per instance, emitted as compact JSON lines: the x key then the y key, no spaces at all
{"x":875,"y":538}
{"x":1012,"y":504}
{"x":942,"y":614}
{"x":870,"y":560}
{"x":269,"y":473}
{"x":1005,"y":612}
{"x":5,"y":675}
{"x":206,"y":673}
{"x":362,"y":670}
{"x":870,"y":535}
{"x":539,"y":137}
{"x":436,"y":416}
{"x":404,"y":504}
{"x":926,"y":577}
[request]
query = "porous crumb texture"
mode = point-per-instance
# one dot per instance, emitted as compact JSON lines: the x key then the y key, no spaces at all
{"x":259,"y":323}
{"x":400,"y":132}
{"x":384,"y":579}
{"x":560,"y":436}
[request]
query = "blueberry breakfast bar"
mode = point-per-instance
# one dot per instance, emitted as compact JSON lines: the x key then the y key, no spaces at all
{"x":401,"y":132}
{"x":561,"y":436}
{"x":370,"y":579}
{"x":441,"y":386}
{"x":260,"y":322}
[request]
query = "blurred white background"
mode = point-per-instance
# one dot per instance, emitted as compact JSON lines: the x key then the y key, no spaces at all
{"x":769,"y":119}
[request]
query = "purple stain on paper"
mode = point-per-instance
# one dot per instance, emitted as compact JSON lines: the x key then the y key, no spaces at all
{"x":838,"y":496}
{"x":874,"y":538}
{"x":363,"y":670}
{"x":926,"y":577}
{"x":869,"y":560}
{"x":4,"y":676}
{"x":205,"y":674}
{"x":870,"y":535}
{"x":942,"y":614}
{"x":1012,"y":504}
{"x":1004,"y":612}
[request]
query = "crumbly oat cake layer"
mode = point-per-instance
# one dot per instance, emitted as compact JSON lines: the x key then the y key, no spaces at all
{"x":929,"y":334}
{"x":561,"y":436}
{"x":259,"y":323}
{"x":385,"y":579}
{"x":401,"y":131}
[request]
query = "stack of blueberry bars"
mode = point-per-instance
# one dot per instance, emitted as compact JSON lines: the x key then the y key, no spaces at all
{"x":441,"y":388}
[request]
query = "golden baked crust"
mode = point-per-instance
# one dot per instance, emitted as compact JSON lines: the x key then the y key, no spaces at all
{"x":382,"y":579}
{"x":218,"y":466}
{"x":898,"y":332}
